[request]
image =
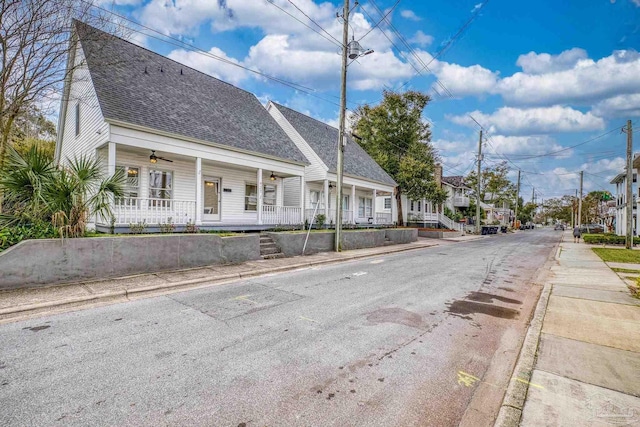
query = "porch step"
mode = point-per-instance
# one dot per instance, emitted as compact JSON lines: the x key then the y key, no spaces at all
{"x":268,"y":248}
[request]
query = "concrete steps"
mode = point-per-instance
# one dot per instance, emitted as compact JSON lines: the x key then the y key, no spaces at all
{"x":268,"y":248}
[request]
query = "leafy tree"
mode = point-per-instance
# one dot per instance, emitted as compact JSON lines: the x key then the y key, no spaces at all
{"x":395,"y":135}
{"x":37,"y":191}
{"x":526,"y":213}
{"x":495,"y":186}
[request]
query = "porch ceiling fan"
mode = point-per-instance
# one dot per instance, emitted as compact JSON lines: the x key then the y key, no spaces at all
{"x":154,"y":159}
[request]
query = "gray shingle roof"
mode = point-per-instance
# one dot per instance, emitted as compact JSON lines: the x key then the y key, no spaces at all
{"x":456,"y":181}
{"x":323,"y":139}
{"x":137,"y":86}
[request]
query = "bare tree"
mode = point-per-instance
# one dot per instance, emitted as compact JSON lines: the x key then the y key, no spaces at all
{"x":34,"y":47}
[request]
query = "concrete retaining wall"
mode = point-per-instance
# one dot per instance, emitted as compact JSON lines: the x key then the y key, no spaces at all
{"x":439,"y":234}
{"x":291,"y":244}
{"x":36,"y":263}
{"x":401,"y":235}
{"x":362,"y":239}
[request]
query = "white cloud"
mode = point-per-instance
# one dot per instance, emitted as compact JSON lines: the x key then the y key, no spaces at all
{"x":421,"y":39}
{"x":586,"y":82}
{"x":275,"y":55}
{"x":619,"y":106}
{"x":533,"y":145}
{"x":534,"y":63}
{"x":208,"y":65}
{"x":636,"y":2}
{"x":533,"y":121}
{"x":118,"y":2}
{"x":411,"y":15}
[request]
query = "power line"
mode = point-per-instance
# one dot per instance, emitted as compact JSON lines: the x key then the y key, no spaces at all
{"x":334,"y":41}
{"x":385,"y":15}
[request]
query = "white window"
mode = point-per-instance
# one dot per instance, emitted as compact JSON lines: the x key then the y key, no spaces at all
{"x":269,"y":195}
{"x":411,"y":206}
{"x":387,"y":202}
{"x":315,"y":200}
{"x":365,"y":205}
{"x":132,"y":183}
{"x":160,"y":184}
{"x":345,"y":203}
{"x":251,"y":196}
{"x":419,"y":205}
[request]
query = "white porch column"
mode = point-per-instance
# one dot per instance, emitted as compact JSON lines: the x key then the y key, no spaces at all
{"x":198,"y":218}
{"x":326,"y":200}
{"x":394,"y":217}
{"x":353,"y":204}
{"x":259,"y":191}
{"x":111,"y":159}
{"x":373,"y":206}
{"x":302,"y":194}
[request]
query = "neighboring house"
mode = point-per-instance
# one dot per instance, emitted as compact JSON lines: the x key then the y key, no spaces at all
{"x":196,"y":150}
{"x":423,"y":212}
{"x":620,"y":181}
{"x":457,"y":193}
{"x":367,"y":188}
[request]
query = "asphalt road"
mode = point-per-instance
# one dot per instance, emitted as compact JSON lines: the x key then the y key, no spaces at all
{"x":415,"y":338}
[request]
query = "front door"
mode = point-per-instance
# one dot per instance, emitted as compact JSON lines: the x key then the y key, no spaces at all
{"x":211,"y":199}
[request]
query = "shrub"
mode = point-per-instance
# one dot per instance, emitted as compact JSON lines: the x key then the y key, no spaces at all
{"x":320,"y":220}
{"x":607,"y":239}
{"x":13,"y":235}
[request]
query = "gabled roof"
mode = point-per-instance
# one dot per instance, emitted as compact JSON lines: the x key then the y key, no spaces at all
{"x":140,"y":87}
{"x":323,"y":138}
{"x":619,"y":178}
{"x":455,"y":181}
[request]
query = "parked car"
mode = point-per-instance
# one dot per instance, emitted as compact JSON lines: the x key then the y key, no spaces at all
{"x":559,"y":227}
{"x":591,"y":229}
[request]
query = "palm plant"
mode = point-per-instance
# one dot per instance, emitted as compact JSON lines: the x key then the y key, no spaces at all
{"x":23,"y":181}
{"x":67,"y":196}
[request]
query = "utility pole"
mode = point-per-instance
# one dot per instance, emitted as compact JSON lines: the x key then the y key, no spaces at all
{"x":629,"y":132}
{"x":341,"y":138}
{"x":515,"y":221}
{"x":580,"y":199}
{"x":575,"y":211}
{"x":478,"y":217}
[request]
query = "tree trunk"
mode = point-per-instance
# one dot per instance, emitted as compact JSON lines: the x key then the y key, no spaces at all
{"x":399,"y":204}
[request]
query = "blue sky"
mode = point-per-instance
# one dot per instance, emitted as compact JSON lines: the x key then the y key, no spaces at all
{"x":538,"y":76}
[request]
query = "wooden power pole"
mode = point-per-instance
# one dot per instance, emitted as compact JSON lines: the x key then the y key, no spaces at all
{"x":478,"y":220}
{"x":629,"y":239}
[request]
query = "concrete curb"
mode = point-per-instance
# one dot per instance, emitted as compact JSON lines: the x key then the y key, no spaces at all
{"x":516,"y":394}
{"x":124,"y":294}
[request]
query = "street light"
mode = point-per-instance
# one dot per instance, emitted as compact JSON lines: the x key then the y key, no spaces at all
{"x":350,"y":50}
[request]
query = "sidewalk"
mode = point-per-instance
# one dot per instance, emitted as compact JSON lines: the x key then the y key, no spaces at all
{"x":20,"y":304}
{"x":587,"y":365}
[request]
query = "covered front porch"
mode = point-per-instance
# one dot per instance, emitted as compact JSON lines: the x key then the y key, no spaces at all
{"x":176,"y":188}
{"x":359,"y":205}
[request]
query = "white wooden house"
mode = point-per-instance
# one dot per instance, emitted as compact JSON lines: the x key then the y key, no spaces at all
{"x":620,"y":181}
{"x":424,"y":212}
{"x":196,"y":150}
{"x":364,"y":181}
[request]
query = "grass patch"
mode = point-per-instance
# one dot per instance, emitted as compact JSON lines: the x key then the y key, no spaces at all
{"x":618,"y":255}
{"x":626,"y":270}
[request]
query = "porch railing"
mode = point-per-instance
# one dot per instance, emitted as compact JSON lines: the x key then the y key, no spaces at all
{"x":383,"y":218}
{"x":331,"y":219}
{"x":449,"y":223}
{"x":281,"y":215}
{"x":134,"y":210}
{"x":461,"y":201}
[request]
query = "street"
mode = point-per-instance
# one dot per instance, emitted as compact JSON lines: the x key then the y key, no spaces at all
{"x":427,"y":337}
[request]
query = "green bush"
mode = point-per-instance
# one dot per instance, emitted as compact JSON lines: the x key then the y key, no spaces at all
{"x":607,"y":239}
{"x":10,"y":236}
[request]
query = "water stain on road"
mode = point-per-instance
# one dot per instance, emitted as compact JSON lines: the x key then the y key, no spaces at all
{"x":488,"y":298}
{"x":396,"y":315}
{"x":464,"y":308}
